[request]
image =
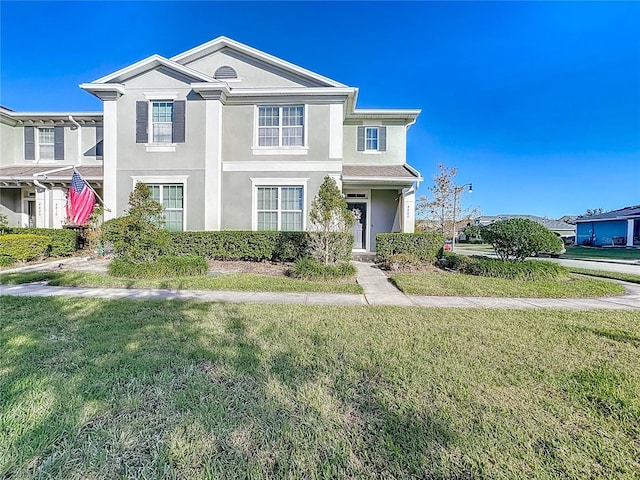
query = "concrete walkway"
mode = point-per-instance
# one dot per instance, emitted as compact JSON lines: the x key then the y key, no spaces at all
{"x":377,"y":291}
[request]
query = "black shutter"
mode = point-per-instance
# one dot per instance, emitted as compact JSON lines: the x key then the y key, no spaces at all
{"x":382,"y":139}
{"x":179,"y":107}
{"x":361,"y":139}
{"x":29,"y":143}
{"x":99,"y":142}
{"x":142,"y":119}
{"x":58,"y":142}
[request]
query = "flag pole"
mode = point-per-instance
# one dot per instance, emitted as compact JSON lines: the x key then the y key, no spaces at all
{"x":106,"y":209}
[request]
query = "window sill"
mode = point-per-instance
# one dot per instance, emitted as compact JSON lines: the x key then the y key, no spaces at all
{"x":280,"y":150}
{"x":372,"y":152}
{"x":160,"y":147}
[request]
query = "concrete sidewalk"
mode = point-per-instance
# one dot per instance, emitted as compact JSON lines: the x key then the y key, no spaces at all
{"x":377,"y":291}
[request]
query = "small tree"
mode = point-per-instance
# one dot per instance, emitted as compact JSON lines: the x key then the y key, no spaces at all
{"x":518,"y":238}
{"x":331,"y":222}
{"x":138,"y":236}
{"x":438,"y":209}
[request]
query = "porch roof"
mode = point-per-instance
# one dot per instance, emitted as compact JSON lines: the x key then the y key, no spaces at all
{"x":17,"y":175}
{"x":388,"y":174}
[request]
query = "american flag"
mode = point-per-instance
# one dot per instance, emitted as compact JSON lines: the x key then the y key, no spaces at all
{"x":80,"y":202}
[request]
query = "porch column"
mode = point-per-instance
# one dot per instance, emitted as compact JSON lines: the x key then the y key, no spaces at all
{"x":630,"y":232}
{"x":58,"y":203}
{"x":43,"y":204}
{"x":408,"y":211}
{"x":110,"y":158}
{"x":213,"y":165}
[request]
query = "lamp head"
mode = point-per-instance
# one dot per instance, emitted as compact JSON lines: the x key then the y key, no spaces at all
{"x":470,"y":188}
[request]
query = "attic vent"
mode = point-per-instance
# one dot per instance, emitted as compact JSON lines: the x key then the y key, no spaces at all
{"x":225,"y":72}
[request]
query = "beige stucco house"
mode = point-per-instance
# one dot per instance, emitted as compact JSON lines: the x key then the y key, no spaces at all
{"x":228,"y":137}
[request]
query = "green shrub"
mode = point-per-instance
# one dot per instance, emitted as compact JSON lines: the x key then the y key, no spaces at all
{"x":135,"y":239}
{"x":310,"y":269}
{"x":6,"y":261}
{"x":22,"y":247}
{"x":161,"y":267}
{"x":494,"y":267}
{"x":425,"y":246}
{"x":64,"y":241}
{"x":242,"y":245}
{"x":519,"y":238}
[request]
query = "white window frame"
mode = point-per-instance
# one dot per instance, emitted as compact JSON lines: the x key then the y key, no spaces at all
{"x":277,"y":182}
{"x":157,"y":97}
{"x":39,"y":157}
{"x":281,"y":149}
{"x":168,"y":180}
{"x":372,"y":150}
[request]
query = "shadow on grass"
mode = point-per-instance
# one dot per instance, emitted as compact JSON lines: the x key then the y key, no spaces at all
{"x":180,"y":389}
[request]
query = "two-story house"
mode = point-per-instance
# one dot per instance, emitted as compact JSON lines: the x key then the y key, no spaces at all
{"x":228,"y":137}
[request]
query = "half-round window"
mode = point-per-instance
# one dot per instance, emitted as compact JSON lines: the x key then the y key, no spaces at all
{"x":225,"y":72}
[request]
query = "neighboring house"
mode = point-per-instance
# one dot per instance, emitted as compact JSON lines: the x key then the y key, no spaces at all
{"x":228,"y":137}
{"x":559,"y":227}
{"x":615,"y":228}
{"x":36,"y":143}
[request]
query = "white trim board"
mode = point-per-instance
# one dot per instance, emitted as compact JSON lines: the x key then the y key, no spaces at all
{"x":282,"y":166}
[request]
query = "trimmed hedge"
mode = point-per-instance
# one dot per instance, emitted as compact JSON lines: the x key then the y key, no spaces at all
{"x":64,"y":242}
{"x":425,"y":246}
{"x":494,"y":267}
{"x":310,"y":269}
{"x":25,"y":246}
{"x":161,"y":267}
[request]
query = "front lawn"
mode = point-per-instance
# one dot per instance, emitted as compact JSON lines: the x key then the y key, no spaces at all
{"x":626,"y":277}
{"x":439,"y":283}
{"x":245,"y":282}
{"x":142,"y":389}
{"x":609,"y":253}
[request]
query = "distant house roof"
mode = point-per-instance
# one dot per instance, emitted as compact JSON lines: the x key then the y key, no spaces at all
{"x":551,"y":224}
{"x":621,"y":214}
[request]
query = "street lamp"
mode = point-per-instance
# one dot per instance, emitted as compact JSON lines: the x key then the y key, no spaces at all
{"x":456,"y":190}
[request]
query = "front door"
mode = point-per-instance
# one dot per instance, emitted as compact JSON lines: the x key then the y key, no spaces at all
{"x":359,"y":229}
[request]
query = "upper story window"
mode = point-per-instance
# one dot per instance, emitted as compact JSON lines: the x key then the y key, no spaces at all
{"x":281,"y":126}
{"x":162,"y":122}
{"x":46,"y":143}
{"x":372,"y":139}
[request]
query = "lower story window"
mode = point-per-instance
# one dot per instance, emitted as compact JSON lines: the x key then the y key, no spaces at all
{"x":172,"y":199}
{"x":280,"y":208}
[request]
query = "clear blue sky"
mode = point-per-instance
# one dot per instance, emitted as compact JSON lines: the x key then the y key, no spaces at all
{"x":537,"y":104}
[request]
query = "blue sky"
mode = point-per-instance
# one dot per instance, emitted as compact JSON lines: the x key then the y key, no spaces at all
{"x":537,"y":104}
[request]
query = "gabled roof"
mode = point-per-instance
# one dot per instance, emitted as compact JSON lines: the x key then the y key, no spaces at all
{"x":220,"y":43}
{"x":149,"y":63}
{"x":621,"y":214}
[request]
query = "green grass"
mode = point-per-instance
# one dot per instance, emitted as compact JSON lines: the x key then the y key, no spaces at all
{"x":627,"y":277}
{"x":142,"y":389}
{"x":618,"y":253}
{"x":456,"y":284}
{"x":234,"y":282}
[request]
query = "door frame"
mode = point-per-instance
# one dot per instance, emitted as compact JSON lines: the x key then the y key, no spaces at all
{"x":367,"y":201}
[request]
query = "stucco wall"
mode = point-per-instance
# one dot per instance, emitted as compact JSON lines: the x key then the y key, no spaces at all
{"x":10,"y":205}
{"x":237,"y":189}
{"x":252,"y":74}
{"x":384,"y":205}
{"x":395,"y":154}
{"x":12,"y":146}
{"x":194,"y":201}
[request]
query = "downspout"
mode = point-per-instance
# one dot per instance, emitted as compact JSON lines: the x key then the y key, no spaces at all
{"x":72,"y":120}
